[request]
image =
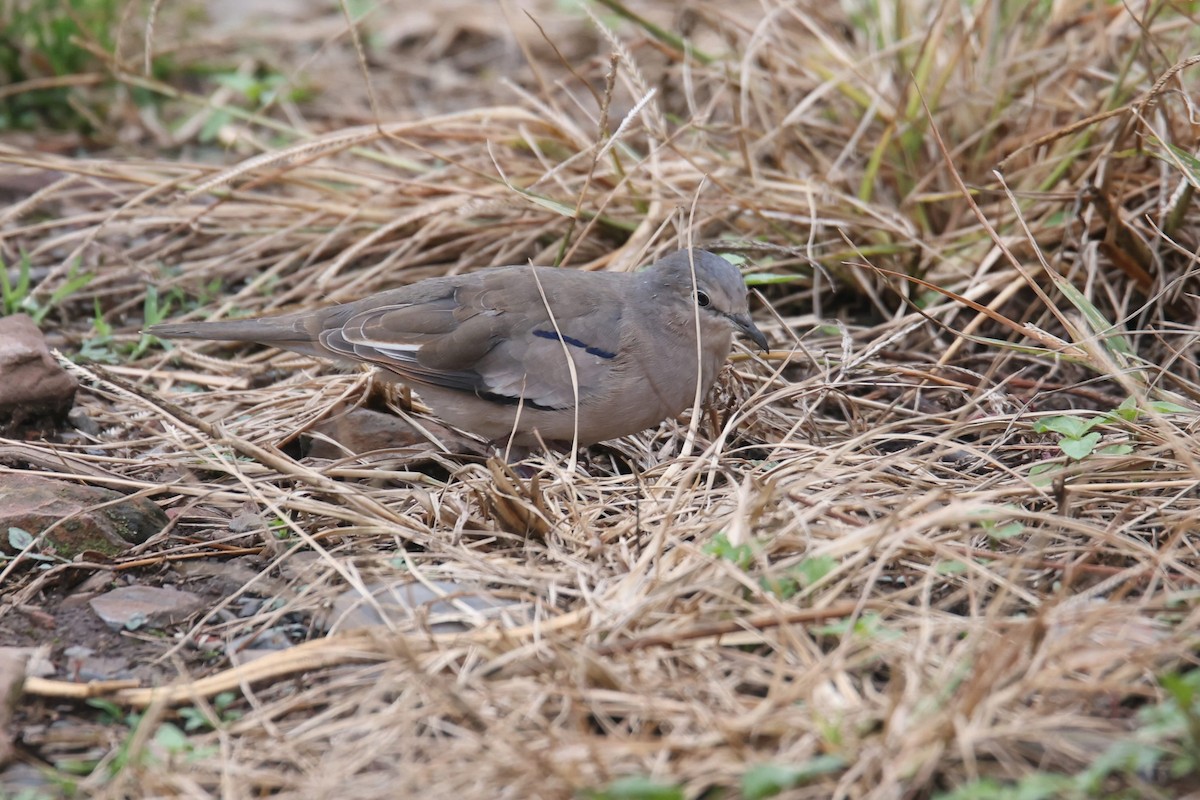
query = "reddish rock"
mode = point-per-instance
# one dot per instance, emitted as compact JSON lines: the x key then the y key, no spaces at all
{"x":34,"y":389}
{"x":88,"y":518}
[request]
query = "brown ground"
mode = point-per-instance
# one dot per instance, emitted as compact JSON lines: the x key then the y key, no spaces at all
{"x":866,"y":564}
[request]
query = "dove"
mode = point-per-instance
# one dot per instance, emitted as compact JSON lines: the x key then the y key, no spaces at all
{"x":531,"y":355}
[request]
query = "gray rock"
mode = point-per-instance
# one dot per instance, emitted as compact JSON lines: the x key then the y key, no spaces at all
{"x":84,"y":665}
{"x":253,"y":646}
{"x":135,"y":607}
{"x":80,"y":420}
{"x":445,"y":608}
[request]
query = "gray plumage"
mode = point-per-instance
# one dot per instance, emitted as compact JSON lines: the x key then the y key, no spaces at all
{"x":486,"y":355}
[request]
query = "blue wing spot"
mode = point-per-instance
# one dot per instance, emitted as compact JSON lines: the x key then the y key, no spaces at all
{"x":594,"y":351}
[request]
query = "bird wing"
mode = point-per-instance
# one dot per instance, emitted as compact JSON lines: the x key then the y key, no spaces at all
{"x":490,"y":333}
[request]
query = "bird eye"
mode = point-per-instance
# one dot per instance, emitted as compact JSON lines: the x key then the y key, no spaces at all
{"x":702,"y":299}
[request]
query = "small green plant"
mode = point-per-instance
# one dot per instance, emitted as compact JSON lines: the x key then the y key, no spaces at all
{"x":1166,"y":742}
{"x":1168,"y":738}
{"x":42,"y":794}
{"x":783,"y":586}
{"x":741,"y":555}
{"x":14,"y":295}
{"x":113,"y":714}
{"x":102,"y":347}
{"x":99,"y":348}
{"x":869,"y":626}
{"x":1130,"y":412}
{"x":636,"y":787}
{"x":22,"y":541}
{"x":998,"y":531}
{"x":264,"y":88}
{"x":196,"y":719}
{"x":950,"y":567}
{"x":1038,"y":786}
{"x":41,"y":40}
{"x":18,"y":298}
{"x":811,"y":570}
{"x":998,"y":527}
{"x":768,"y":780}
{"x":261,"y":90}
{"x":169,"y":741}
{"x":46,"y":44}
{"x":1077,"y":440}
{"x":280,"y":529}
{"x":153,"y":312}
{"x":801,"y":576}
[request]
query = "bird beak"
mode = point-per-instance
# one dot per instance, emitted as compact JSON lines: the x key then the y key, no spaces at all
{"x":746,"y":325}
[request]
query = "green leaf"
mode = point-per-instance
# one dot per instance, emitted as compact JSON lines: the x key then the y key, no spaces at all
{"x":171,"y":738}
{"x":213,"y":125}
{"x":783,"y":587}
{"x":19,"y":538}
{"x":110,"y":709}
{"x":1128,"y":409}
{"x":768,"y":780}
{"x":242,"y":84}
{"x":927,"y":299}
{"x":1073,"y":427}
{"x":194,"y":719}
{"x":811,"y":570}
{"x":950,"y":567}
{"x":772,"y":278}
{"x":1166,"y":407}
{"x":869,"y":626}
{"x":74,"y":282}
{"x":1005,"y":531}
{"x":1183,"y":690}
{"x":224,"y":700}
{"x":1037,"y":786}
{"x":637,"y":787}
{"x":1078,"y":448}
{"x":742,"y":555}
{"x":1108,"y":333}
{"x":1044,"y":473}
{"x":15,"y":296}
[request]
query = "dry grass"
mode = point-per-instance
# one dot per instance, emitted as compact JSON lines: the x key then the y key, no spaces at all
{"x":987,"y":212}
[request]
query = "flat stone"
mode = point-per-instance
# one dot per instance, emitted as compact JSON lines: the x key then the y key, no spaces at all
{"x":26,"y":780}
{"x":80,"y":420}
{"x":35,"y":391}
{"x":84,"y":665}
{"x":254,"y":646}
{"x":83,"y":517}
{"x":133,"y":607}
{"x":441,"y":607}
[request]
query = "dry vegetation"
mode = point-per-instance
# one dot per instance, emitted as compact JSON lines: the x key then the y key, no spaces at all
{"x":881,"y":562}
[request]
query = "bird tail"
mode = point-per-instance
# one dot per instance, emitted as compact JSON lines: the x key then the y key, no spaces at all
{"x":289,"y":332}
